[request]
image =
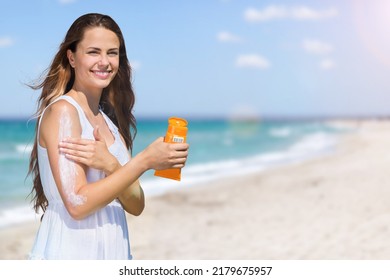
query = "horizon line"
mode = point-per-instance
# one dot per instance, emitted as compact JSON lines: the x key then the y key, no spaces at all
{"x":229,"y":118}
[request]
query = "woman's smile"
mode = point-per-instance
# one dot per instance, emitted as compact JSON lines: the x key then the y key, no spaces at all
{"x":102,"y":74}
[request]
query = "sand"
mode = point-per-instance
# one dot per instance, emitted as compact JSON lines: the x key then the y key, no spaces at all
{"x":333,"y":207}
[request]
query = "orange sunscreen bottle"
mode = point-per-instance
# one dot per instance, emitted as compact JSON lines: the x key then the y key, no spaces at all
{"x":176,"y":133}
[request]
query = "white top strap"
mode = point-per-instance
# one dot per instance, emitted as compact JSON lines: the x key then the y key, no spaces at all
{"x":82,"y":117}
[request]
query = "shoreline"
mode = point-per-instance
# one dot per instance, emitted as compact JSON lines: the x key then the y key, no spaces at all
{"x":330,"y":207}
{"x":307,"y":146}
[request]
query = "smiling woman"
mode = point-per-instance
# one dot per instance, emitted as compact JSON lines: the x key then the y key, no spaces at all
{"x":84,"y":177}
{"x":102,"y":62}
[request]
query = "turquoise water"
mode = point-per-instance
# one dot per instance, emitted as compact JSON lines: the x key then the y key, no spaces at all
{"x":218,"y":148}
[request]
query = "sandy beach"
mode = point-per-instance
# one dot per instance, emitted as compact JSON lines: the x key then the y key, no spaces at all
{"x":333,"y":207}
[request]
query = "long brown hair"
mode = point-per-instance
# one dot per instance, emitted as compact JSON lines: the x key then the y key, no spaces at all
{"x":117,"y":100}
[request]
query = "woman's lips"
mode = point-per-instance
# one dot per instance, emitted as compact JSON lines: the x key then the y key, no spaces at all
{"x":102,"y":74}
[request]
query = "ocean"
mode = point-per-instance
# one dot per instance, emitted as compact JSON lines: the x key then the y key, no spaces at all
{"x":218,"y":148}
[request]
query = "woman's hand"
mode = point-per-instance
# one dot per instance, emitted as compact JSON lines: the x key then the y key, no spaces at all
{"x":161,"y":155}
{"x":92,"y":153}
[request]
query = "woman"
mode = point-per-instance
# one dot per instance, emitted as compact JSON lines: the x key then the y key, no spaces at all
{"x":84,"y":186}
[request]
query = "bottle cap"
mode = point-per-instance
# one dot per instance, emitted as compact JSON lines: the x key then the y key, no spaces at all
{"x":177,"y":126}
{"x":177,"y":121}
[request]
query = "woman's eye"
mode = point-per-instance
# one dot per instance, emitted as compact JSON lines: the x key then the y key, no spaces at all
{"x":113,"y":53}
{"x":93,"y":52}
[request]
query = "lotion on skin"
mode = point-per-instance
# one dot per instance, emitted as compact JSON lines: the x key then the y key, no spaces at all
{"x":67,"y":167}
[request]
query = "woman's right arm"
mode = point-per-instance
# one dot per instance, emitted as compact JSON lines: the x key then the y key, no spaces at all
{"x":80,"y":197}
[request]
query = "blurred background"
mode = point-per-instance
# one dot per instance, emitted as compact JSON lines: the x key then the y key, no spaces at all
{"x":255,"y":79}
{"x":216,"y":58}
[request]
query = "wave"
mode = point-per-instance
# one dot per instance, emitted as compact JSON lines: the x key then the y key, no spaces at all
{"x":280,"y":132}
{"x":15,"y":151}
{"x":24,"y":148}
{"x":17,"y":215}
{"x":313,"y":144}
{"x":307,"y":147}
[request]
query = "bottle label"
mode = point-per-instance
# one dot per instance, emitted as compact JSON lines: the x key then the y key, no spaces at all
{"x":177,"y":139}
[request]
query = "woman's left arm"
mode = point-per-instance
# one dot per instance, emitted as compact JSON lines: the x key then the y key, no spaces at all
{"x":95,"y":154}
{"x":133,"y":199}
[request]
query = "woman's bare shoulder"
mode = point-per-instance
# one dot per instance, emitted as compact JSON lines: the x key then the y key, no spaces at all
{"x":61,"y":107}
{"x":55,"y":117}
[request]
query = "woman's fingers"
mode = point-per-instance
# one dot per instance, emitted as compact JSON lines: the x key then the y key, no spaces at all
{"x":77,"y":159}
{"x":77,"y":141}
{"x":81,"y":141}
{"x":80,"y":150}
{"x":180,"y":151}
{"x":86,"y":146}
{"x":162,"y":155}
{"x":74,"y":152}
{"x":181,"y":147}
{"x":179,"y":156}
{"x":78,"y":156}
{"x":92,"y":153}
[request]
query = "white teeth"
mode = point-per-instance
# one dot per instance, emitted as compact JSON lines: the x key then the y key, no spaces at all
{"x":102,"y":73}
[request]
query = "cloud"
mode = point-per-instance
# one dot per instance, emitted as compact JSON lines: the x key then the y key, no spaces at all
{"x":225,"y":36}
{"x":305,"y":13}
{"x":243,"y":111}
{"x":252,"y":61}
{"x":316,"y":47}
{"x":269,"y":13}
{"x":320,"y":48}
{"x":274,"y":12}
{"x":65,"y":2}
{"x":6,"y":42}
{"x":135,"y":64}
{"x":327,"y":64}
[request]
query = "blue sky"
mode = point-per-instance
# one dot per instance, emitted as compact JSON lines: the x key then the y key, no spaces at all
{"x":218,"y":58}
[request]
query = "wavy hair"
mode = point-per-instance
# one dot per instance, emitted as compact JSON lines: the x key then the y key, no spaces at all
{"x":117,"y":100}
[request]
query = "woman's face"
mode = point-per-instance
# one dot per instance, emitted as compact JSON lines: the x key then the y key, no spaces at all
{"x":96,"y":59}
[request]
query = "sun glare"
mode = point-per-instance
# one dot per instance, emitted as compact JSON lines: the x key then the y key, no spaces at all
{"x":373,"y":24}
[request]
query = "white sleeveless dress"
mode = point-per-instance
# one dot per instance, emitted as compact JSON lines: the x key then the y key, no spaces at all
{"x":103,"y":234}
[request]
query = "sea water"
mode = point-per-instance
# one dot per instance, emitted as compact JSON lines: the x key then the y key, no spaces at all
{"x":218,"y":149}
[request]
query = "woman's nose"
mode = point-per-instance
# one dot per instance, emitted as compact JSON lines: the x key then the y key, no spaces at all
{"x":104,"y":60}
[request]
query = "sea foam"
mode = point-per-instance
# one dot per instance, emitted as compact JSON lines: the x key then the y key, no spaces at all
{"x":307,"y":147}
